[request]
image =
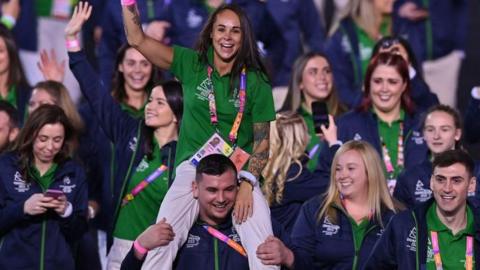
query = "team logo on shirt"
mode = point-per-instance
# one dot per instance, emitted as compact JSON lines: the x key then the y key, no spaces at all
{"x":417,"y":137}
{"x":20,"y":184}
{"x":357,"y":137}
{"x":203,"y":90}
{"x":422,"y":194}
{"x":142,"y":166}
{"x":192,"y":241}
{"x":412,"y":240}
{"x":329,"y":228}
{"x":66,"y":185}
{"x":234,"y":99}
{"x":193,"y":19}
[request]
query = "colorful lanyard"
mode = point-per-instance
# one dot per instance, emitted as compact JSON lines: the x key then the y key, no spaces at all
{"x":222,"y":237}
{"x":242,"y":95}
{"x":400,"y":157}
{"x":313,"y":151}
{"x":438,"y":259}
{"x":143,"y":184}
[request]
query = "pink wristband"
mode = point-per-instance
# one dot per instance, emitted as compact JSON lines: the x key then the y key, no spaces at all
{"x":128,"y":2}
{"x":72,"y":44}
{"x":139,"y":248}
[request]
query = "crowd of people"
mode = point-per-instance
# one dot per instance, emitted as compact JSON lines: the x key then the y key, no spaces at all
{"x":159,"y":145}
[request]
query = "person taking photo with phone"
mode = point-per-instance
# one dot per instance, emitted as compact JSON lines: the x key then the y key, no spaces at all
{"x":312,"y":83}
{"x":38,"y":226}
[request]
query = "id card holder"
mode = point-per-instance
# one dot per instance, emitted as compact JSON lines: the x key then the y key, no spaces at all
{"x":214,"y":145}
{"x":391,"y":183}
{"x":217,"y":145}
{"x":61,"y":9}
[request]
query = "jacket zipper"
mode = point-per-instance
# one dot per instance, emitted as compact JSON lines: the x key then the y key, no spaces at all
{"x":416,"y":241}
{"x":215,"y":253}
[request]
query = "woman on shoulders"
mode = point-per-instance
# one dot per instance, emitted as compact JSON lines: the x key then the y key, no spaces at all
{"x":228,"y":96}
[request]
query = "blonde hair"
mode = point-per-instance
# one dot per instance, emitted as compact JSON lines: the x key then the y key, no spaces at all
{"x":363,"y":14}
{"x":62,"y":99}
{"x":288,"y":141}
{"x":378,"y":194}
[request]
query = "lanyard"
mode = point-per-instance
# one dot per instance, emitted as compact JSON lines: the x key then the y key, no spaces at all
{"x":143,"y":184}
{"x":438,"y":259}
{"x":242,"y":95}
{"x":400,"y":157}
{"x":222,"y":237}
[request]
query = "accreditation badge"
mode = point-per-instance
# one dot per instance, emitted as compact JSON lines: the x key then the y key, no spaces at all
{"x":217,"y":145}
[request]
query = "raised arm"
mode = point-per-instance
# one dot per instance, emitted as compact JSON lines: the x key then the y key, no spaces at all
{"x":155,"y":51}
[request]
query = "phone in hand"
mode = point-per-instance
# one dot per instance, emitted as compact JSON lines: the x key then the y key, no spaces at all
{"x":320,"y":115}
{"x":54,"y":193}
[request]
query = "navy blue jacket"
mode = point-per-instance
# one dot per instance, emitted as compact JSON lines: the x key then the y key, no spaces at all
{"x":296,"y":20}
{"x":295,"y":193}
{"x":121,"y":129}
{"x":343,"y":53}
{"x":24,"y":238}
{"x":472,"y":125}
{"x":326,"y":245}
{"x":356,"y":125}
{"x":25,"y":30}
{"x":23,"y":97}
{"x":113,"y":33}
{"x":403,"y":244}
{"x":448,"y":21}
{"x":199,"y":250}
{"x":413,"y":184}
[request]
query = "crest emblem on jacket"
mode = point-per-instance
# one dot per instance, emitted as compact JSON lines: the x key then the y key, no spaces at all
{"x":19,"y":183}
{"x":328,"y":228}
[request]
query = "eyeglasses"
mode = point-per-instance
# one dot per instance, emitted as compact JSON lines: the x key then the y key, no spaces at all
{"x":389,"y":42}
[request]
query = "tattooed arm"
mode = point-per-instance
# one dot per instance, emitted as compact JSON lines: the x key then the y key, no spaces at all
{"x":258,"y":160}
{"x":155,"y":51}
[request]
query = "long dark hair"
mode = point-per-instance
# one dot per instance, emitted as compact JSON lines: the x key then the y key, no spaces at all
{"x":45,"y":114}
{"x":392,"y":60}
{"x":248,"y":55}
{"x":174,"y":95}
{"x":16,"y":75}
{"x":118,"y":81}
{"x":294,"y":96}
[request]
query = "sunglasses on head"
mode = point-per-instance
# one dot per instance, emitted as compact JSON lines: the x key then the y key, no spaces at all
{"x":389,"y":42}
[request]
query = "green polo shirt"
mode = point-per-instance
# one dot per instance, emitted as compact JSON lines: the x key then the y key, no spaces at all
{"x":452,"y":247}
{"x":137,"y":114}
{"x":46,"y":179}
{"x":390,"y":133}
{"x":196,"y":127}
{"x":142,"y":211}
{"x":11,"y":97}
{"x":44,"y":7}
{"x":366,"y":43}
{"x":314,"y":140}
{"x":359,"y":231}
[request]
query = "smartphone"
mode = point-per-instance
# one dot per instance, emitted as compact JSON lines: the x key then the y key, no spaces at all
{"x":54,"y":193}
{"x":320,"y":115}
